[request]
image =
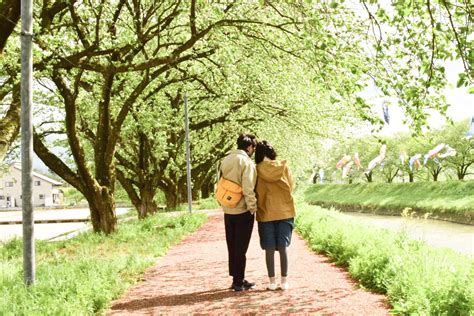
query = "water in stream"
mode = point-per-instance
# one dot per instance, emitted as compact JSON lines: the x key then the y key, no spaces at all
{"x":436,"y":233}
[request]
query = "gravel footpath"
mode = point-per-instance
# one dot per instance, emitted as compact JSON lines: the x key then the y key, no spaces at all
{"x":193,"y":279}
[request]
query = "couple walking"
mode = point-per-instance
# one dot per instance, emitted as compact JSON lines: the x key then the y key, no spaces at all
{"x":265,"y":191}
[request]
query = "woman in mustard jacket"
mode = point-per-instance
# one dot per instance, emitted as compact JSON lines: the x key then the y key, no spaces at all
{"x":275,"y":210}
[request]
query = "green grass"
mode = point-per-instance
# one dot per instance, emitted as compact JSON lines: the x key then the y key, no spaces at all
{"x":73,"y":197}
{"x":456,"y":197}
{"x":417,"y":279}
{"x":209,"y":203}
{"x":82,"y":275}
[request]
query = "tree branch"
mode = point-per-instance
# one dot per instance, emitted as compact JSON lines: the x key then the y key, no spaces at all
{"x":458,"y":42}
{"x":56,"y":164}
{"x":192,"y":18}
{"x":9,"y":17}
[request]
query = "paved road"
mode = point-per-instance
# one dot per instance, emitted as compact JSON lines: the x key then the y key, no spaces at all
{"x":48,"y":231}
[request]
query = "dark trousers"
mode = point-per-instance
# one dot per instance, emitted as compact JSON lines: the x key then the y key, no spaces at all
{"x":238,"y":230}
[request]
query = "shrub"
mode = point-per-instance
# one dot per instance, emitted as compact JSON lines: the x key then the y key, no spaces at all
{"x":417,"y":278}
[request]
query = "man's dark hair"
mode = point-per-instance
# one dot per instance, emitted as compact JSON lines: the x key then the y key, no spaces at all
{"x":264,"y":149}
{"x":245,"y":140}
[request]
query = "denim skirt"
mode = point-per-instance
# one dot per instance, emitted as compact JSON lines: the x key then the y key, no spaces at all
{"x":275,"y":234}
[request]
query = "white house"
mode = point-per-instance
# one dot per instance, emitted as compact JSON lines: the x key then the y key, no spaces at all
{"x":46,"y":191}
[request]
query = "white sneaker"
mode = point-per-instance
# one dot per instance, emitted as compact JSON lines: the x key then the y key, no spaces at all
{"x":285,"y":286}
{"x":272,"y":287}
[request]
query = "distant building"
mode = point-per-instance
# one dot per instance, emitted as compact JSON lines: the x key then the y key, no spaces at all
{"x":46,"y":192}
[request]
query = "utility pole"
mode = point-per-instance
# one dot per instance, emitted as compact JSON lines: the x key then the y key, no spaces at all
{"x":188,"y":155}
{"x":26,"y":140}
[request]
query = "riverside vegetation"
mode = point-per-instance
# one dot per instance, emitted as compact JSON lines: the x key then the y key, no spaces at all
{"x":417,"y":279}
{"x":114,"y":93}
{"x":450,"y":200}
{"x":81,"y":276}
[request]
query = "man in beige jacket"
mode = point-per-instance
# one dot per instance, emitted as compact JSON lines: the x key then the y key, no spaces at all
{"x":239,"y":168}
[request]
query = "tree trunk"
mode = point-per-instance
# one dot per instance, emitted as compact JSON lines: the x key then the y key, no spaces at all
{"x":411,"y":176}
{"x":147,"y":203}
{"x":435,"y":173}
{"x":172,"y":199}
{"x":144,"y":202}
{"x":462,"y":171}
{"x":183,"y":191}
{"x":391,"y":176}
{"x":102,"y":207}
{"x":368,"y":176}
{"x":196,"y":192}
{"x":10,"y":124}
{"x":9,"y":16}
{"x":207,"y":186}
{"x":105,"y":171}
{"x":205,"y":191}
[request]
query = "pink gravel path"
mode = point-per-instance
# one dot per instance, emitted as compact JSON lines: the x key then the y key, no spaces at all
{"x":193,"y":279}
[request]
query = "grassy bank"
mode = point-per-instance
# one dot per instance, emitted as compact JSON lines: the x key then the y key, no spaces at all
{"x":82,"y":275}
{"x":416,"y":278}
{"x":451,"y":201}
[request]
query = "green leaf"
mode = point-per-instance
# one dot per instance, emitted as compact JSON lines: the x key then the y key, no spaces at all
{"x":461,"y":81}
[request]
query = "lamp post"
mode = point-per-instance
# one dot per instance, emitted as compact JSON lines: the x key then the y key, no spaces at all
{"x":26,"y":140}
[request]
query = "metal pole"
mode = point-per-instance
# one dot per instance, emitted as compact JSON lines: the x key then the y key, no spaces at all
{"x":26,"y":140}
{"x":188,"y":155}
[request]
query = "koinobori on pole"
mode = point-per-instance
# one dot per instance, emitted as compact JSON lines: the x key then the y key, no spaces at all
{"x":26,"y":140}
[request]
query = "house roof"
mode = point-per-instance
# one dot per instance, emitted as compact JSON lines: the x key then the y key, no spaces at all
{"x":39,"y":175}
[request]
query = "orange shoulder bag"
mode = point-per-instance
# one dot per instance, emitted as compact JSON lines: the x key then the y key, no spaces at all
{"x":228,"y":193}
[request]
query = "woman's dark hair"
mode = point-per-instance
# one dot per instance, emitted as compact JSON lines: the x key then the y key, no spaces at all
{"x":264,"y":149}
{"x":245,"y":140}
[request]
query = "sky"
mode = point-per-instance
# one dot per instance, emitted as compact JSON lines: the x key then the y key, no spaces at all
{"x":461,"y":108}
{"x":461,"y":105}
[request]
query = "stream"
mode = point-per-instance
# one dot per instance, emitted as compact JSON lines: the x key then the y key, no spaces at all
{"x":436,"y":233}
